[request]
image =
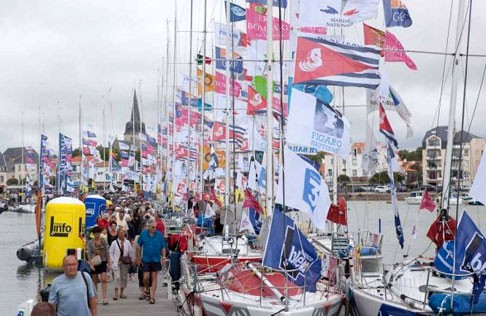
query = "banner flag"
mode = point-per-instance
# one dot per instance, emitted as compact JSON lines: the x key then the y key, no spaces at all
{"x":256,"y":26}
{"x":316,"y":124}
{"x":287,"y":248}
{"x":396,"y":13}
{"x":326,"y":62}
{"x":305,"y":189}
{"x":336,"y":13}
{"x":237,"y":13}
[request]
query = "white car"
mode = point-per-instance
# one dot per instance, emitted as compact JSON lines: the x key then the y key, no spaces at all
{"x":382,"y":189}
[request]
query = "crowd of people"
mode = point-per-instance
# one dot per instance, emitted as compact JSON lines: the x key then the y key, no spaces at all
{"x":128,"y":241}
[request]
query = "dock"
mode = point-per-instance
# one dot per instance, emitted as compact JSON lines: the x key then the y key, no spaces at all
{"x":133,"y":306}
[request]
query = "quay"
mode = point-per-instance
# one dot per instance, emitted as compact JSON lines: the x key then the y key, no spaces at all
{"x":132,"y":306}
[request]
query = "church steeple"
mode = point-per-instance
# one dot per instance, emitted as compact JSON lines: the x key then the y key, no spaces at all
{"x":135,"y":125}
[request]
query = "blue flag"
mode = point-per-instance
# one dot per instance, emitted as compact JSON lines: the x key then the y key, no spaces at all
{"x":237,"y":13}
{"x":291,"y":251}
{"x":255,"y":219}
{"x":396,"y":14}
{"x":221,"y":57}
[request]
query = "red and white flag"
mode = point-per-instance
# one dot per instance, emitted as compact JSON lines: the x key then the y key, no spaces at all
{"x":427,"y":202}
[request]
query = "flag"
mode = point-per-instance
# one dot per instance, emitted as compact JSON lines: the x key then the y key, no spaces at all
{"x":245,"y":223}
{"x":394,"y":51}
{"x":212,"y":196}
{"x":256,"y":25}
{"x":396,"y":13}
{"x":205,"y":59}
{"x":213,"y":160}
{"x":477,"y":189}
{"x":370,"y":160}
{"x":386,"y":129}
{"x":276,"y":3}
{"x":316,"y":124}
{"x":235,"y":63}
{"x":338,"y":213}
{"x":209,"y":82}
{"x":288,"y":250}
{"x":322,"y":93}
{"x":392,"y":164}
{"x":305,"y":189}
{"x":336,"y":13}
{"x":427,"y":202}
{"x":320,"y":61}
{"x":237,"y":13}
{"x":255,"y":219}
{"x":251,"y":201}
{"x":442,"y":229}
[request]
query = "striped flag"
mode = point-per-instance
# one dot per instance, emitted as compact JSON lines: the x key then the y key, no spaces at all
{"x":386,"y":129}
{"x":320,"y":61}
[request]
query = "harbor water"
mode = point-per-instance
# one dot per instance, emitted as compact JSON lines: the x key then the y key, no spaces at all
{"x":21,"y":281}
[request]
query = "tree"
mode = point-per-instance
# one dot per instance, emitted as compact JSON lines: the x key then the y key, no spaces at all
{"x":12,"y":181}
{"x":76,"y":152}
{"x":342,"y":178}
{"x":415,"y":155}
{"x":383,"y":178}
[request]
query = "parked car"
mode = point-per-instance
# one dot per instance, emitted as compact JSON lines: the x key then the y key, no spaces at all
{"x":382,"y":189}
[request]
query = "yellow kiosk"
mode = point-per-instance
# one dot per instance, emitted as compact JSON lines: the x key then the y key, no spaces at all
{"x":64,"y":229}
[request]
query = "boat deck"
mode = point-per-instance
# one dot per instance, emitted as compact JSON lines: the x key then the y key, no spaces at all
{"x":133,"y":306}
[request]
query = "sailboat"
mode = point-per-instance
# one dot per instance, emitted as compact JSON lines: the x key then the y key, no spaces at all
{"x":447,"y":284}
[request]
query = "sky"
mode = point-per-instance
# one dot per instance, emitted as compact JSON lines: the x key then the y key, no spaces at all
{"x":56,"y":55}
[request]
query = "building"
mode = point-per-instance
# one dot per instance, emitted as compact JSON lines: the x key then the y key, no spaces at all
{"x":20,"y":162}
{"x":135,"y":126}
{"x":464,"y":167}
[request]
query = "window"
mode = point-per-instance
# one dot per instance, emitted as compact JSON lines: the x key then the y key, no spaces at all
{"x":2,"y":179}
{"x":433,"y":142}
{"x":354,"y":161}
{"x":329,"y":172}
{"x":466,"y":152}
{"x":355,"y":173}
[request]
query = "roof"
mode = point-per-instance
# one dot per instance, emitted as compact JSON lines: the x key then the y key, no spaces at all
{"x":135,"y":125}
{"x":19,"y":155}
{"x":441,"y":132}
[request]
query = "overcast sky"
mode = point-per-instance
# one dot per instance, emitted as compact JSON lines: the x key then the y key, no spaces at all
{"x":53,"y":52}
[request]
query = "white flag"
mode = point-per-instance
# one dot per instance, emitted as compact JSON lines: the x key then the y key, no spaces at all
{"x":315,"y":124}
{"x":304,"y":189}
{"x":245,"y":223}
{"x":477,"y":189}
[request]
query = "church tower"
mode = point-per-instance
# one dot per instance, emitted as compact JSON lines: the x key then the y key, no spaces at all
{"x":135,"y":125}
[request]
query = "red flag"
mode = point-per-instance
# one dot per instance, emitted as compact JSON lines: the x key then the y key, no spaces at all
{"x":338,"y":213}
{"x":427,"y":202}
{"x":441,"y":230}
{"x":213,"y":197}
{"x":251,"y":201}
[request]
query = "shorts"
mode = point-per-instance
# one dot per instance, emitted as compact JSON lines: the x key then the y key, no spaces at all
{"x":101,"y":268}
{"x":151,"y":266}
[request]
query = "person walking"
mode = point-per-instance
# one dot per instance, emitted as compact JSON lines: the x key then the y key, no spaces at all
{"x":73,"y":293}
{"x":98,"y":247}
{"x":154,"y":247}
{"x":121,"y":260}
{"x":43,"y":309}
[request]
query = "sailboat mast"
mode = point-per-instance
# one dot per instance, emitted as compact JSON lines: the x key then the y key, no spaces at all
{"x":203,"y":101}
{"x":80,"y":135}
{"x":23,"y":164}
{"x":269,"y":162}
{"x":174,"y":100}
{"x":446,"y":182}
{"x":188,"y":170}
{"x":228,"y":53}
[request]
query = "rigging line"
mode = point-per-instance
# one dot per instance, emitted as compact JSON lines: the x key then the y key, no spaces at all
{"x":281,"y":114}
{"x":444,"y":67}
{"x":478,"y":97}
{"x":436,"y":53}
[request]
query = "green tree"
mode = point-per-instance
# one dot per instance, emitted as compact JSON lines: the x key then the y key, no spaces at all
{"x":342,"y":178}
{"x":12,"y":181}
{"x":76,"y":152}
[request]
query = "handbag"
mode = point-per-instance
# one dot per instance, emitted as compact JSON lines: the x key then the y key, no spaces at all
{"x":96,"y":260}
{"x":124,"y":259}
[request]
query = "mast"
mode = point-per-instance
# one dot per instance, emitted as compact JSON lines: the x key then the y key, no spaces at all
{"x":173,"y":98}
{"x":203,"y":101}
{"x":80,"y":135}
{"x":269,"y":162}
{"x":22,"y":191}
{"x":189,"y":111}
{"x":446,"y":182}
{"x":228,"y":53}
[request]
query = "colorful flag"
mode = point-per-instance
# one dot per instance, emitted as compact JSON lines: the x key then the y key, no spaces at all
{"x":396,"y":13}
{"x":316,"y":124}
{"x":305,"y":189}
{"x":427,"y":202}
{"x":221,"y":34}
{"x":386,"y":129}
{"x":251,"y":201}
{"x":336,"y":13}
{"x":391,"y":164}
{"x":256,"y":25}
{"x":287,"y":249}
{"x":235,"y":63}
{"x":255,"y":219}
{"x":338,"y":213}
{"x":235,"y":86}
{"x":237,"y":13}
{"x":320,"y":61}
{"x":245,"y":223}
{"x":209,"y":82}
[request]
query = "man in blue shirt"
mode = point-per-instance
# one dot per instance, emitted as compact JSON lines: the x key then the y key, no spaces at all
{"x":72,"y":294}
{"x":154,"y":256}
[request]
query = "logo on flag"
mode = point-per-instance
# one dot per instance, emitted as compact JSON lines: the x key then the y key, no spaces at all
{"x":312,"y":62}
{"x":427,"y":202}
{"x":396,"y":13}
{"x":311,"y":188}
